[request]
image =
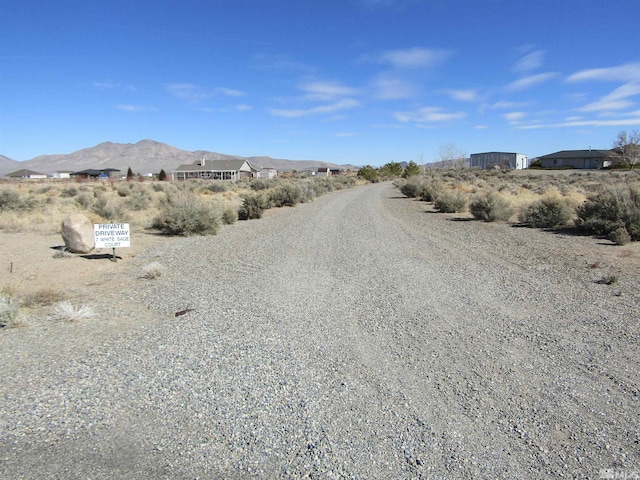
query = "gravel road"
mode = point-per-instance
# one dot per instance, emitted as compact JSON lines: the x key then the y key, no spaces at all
{"x":360,"y":336}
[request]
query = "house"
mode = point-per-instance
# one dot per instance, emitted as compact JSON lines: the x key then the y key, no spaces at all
{"x":24,"y":173}
{"x":94,"y":174}
{"x":584,"y":159}
{"x":111,"y":172}
{"x":324,"y":172}
{"x":506,"y":160}
{"x":233,"y":170}
{"x":267,"y":173}
{"x":62,"y":174}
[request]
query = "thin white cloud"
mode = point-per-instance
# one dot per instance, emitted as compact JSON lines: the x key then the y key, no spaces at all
{"x":481,"y":127}
{"x":514,"y":117}
{"x":134,"y":108}
{"x":530,"y":62}
{"x":326,"y":90}
{"x":616,"y":100}
{"x":346,"y":134}
{"x":188,"y":92}
{"x":416,"y":57}
{"x":229,"y":92}
{"x":391,"y":87}
{"x":530,"y":81}
{"x":281,"y":62}
{"x":106,"y":85}
{"x":503,"y":105}
{"x":243,"y":107}
{"x":196,"y":94}
{"x":340,"y":105}
{"x":468,"y":95}
{"x":629,"y":72}
{"x":428,"y":114}
{"x":586,"y":123}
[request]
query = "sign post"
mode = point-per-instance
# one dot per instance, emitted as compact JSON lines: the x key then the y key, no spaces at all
{"x":112,"y":235}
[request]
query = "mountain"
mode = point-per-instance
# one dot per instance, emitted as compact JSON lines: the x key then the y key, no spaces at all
{"x":7,"y":165}
{"x":146,"y":156}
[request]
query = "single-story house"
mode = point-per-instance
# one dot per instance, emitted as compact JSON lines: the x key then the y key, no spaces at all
{"x":234,"y":170}
{"x":62,"y":174}
{"x":24,"y":173}
{"x":323,"y":172}
{"x":111,"y":172}
{"x":87,"y":174}
{"x":95,"y":174}
{"x":487,"y":160}
{"x":584,"y":159}
{"x":267,"y":173}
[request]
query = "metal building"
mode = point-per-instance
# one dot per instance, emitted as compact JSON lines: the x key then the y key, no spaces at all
{"x":517,"y":161}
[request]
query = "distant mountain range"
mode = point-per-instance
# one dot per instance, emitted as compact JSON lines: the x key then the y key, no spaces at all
{"x":146,"y":156}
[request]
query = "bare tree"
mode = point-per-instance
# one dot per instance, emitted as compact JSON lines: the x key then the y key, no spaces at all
{"x":449,"y":155}
{"x":628,"y":147}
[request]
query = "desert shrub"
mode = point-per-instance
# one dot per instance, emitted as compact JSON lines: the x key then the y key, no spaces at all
{"x":411,"y":187}
{"x":262,"y":184}
{"x":451,"y":202}
{"x":286,"y":195}
{"x":620,"y":236}
{"x":158,"y":187}
{"x":84,"y":200}
{"x":216,"y":186}
{"x":69,"y":192}
{"x":229,"y":216}
{"x":308,"y":192}
{"x":546,"y":213}
{"x":491,"y":207}
{"x":9,"y":312}
{"x":10,"y":200}
{"x":252,"y":207}
{"x":124,"y":189}
{"x":611,"y":209}
{"x":153,"y":270}
{"x":108,"y":208}
{"x":139,"y":198}
{"x":430,"y":191}
{"x":322,"y":185}
{"x":185,"y":214}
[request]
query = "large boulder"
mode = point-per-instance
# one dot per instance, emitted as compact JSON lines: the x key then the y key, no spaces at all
{"x":77,"y":233}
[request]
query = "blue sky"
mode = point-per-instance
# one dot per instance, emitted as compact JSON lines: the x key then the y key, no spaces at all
{"x":343,"y":81}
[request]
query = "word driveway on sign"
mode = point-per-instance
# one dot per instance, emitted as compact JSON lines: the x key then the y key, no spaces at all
{"x":111,"y":235}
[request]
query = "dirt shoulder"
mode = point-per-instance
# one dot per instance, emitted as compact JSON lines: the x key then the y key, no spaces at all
{"x":36,"y":265}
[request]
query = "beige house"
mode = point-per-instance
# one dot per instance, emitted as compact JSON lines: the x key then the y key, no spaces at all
{"x":24,"y":173}
{"x":233,"y":170}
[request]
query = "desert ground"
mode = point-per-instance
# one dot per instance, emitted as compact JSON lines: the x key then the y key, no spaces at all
{"x":362,"y":335}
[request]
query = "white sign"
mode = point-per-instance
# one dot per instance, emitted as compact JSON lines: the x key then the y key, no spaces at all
{"x":111,"y":235}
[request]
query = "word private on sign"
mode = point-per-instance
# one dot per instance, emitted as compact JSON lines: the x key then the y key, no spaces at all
{"x":111,"y":235}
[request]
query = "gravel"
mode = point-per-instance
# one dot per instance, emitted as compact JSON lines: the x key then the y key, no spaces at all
{"x":360,"y":336}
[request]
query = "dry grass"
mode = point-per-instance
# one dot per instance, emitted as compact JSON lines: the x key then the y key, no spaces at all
{"x":43,"y":297}
{"x":66,"y":312}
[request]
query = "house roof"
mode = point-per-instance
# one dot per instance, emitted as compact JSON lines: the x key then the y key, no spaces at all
{"x":89,"y":171}
{"x":23,"y":173}
{"x":579,"y":154}
{"x":215,"y":165}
